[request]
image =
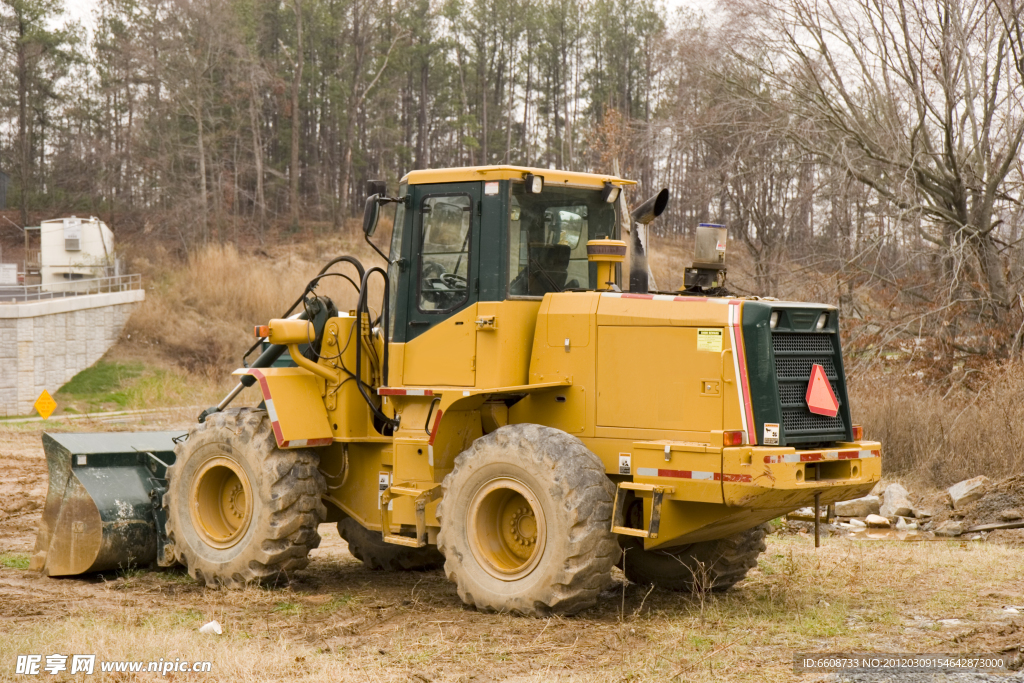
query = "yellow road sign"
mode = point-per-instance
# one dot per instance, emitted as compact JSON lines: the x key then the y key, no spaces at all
{"x":45,"y":405}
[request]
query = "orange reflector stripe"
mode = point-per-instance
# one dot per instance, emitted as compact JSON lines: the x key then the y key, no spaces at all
{"x":262,"y":331}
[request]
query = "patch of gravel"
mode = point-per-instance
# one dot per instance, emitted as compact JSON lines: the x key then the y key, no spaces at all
{"x":925,"y":678}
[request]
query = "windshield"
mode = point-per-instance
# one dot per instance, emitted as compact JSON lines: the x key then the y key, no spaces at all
{"x":548,"y":235}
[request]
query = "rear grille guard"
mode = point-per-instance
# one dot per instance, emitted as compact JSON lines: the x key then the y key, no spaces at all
{"x":795,"y":354}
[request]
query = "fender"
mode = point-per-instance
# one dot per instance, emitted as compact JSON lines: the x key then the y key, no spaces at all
{"x":296,"y":409}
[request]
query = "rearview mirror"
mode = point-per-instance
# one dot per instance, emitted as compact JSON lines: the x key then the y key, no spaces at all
{"x":371,"y":214}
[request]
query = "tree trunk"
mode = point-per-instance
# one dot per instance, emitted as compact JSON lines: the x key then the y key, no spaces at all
{"x":296,"y":116}
{"x":257,"y":152}
{"x":205,"y":226}
{"x":23,"y":141}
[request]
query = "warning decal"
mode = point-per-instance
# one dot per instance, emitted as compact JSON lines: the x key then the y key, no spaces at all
{"x":383,"y":482}
{"x":709,"y":339}
{"x":625,"y":463}
{"x":771,"y":434}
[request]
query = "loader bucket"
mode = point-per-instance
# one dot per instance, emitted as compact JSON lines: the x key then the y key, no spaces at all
{"x":103,"y":507}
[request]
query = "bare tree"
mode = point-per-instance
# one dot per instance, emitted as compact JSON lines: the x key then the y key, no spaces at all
{"x":921,"y":101}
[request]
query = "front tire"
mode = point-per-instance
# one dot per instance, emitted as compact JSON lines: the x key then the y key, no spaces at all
{"x":526,"y":523}
{"x":239,"y":509}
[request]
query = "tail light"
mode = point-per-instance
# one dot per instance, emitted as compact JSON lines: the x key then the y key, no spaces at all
{"x":262,"y":331}
{"x":732,"y":438}
{"x":858,"y":432}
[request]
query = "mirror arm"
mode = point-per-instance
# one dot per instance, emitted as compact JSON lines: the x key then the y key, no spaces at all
{"x":381,"y":201}
{"x":375,"y":248}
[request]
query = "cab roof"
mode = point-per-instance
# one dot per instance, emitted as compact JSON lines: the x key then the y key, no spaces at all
{"x":478,"y":173}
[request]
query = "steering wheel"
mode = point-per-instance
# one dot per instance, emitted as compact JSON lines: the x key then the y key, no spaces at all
{"x":453,"y":281}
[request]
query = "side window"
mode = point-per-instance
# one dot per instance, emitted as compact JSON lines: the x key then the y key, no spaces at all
{"x":444,"y":253}
{"x":394,"y":269}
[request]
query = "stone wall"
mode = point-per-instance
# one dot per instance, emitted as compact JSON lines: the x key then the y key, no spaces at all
{"x":44,"y":344}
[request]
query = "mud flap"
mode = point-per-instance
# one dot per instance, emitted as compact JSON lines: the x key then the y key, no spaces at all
{"x":103,"y":505}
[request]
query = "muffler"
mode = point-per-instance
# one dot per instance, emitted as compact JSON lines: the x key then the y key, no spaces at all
{"x":103,"y":507}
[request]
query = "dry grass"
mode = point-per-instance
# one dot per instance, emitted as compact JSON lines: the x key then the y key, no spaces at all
{"x":200,"y":314}
{"x":938,"y":436}
{"x":341,"y":622}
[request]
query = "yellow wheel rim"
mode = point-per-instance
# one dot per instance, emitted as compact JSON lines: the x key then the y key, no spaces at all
{"x":221,"y":502}
{"x":507,"y":529}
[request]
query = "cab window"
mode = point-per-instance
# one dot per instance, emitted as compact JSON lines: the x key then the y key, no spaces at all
{"x":444,"y":253}
{"x":548,"y":235}
{"x":394,"y":265}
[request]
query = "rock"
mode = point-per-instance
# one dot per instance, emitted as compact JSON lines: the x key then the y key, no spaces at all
{"x":859,"y":507}
{"x":806,"y":514}
{"x":857,"y":524}
{"x":1011,"y":515}
{"x":950,"y":528}
{"x":877,"y":490}
{"x":923,"y":513}
{"x":877,"y":522}
{"x":896,"y":502}
{"x":968,"y":491}
{"x":904,"y":525}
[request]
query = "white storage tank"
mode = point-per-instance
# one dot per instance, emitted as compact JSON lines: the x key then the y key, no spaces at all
{"x":75,"y":249}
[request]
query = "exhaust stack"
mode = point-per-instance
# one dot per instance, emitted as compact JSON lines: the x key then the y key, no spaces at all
{"x":642,"y":215}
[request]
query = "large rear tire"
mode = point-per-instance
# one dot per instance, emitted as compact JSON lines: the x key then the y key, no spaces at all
{"x":239,"y":509}
{"x":526,"y":523}
{"x":369,"y":548}
{"x":700,"y":567}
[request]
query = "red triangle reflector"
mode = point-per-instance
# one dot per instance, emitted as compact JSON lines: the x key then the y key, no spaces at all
{"x":821,"y":400}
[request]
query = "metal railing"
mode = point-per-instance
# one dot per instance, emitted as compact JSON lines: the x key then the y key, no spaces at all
{"x":12,"y":294}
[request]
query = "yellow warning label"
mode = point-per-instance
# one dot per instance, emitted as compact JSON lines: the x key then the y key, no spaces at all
{"x":45,"y":405}
{"x":709,"y":340}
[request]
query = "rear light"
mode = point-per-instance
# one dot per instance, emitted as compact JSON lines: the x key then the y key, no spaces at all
{"x":262,"y":331}
{"x":732,"y":438}
{"x":858,"y":432}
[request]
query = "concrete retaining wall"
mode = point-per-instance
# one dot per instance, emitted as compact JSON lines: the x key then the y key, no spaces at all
{"x":44,"y":344}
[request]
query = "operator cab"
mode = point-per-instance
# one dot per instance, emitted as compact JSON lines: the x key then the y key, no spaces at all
{"x":468,"y":235}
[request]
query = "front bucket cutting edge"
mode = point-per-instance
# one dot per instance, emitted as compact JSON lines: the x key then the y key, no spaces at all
{"x":103,"y":504}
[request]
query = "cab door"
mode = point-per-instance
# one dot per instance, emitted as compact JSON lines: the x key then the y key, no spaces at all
{"x":444,"y":274}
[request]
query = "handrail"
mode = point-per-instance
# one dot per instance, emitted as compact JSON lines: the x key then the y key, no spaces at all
{"x":55,"y":290}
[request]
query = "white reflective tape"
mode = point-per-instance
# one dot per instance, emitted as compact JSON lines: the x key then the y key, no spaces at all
{"x":664,"y":297}
{"x":831,"y":455}
{"x":270,"y":409}
{"x":702,"y":475}
{"x":298,"y":443}
{"x":736,"y":369}
{"x":646,"y":472}
{"x":867,"y":454}
{"x":613,"y":295}
{"x":791,"y":457}
{"x":430,"y":454}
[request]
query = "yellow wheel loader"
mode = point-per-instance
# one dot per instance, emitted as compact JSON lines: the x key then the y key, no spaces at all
{"x":505,"y":410}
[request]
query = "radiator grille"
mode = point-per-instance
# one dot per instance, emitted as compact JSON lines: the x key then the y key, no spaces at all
{"x":785,"y":342}
{"x":795,"y":354}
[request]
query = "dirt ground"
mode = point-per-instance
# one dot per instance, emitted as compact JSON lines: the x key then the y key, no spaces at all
{"x":338,"y":621}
